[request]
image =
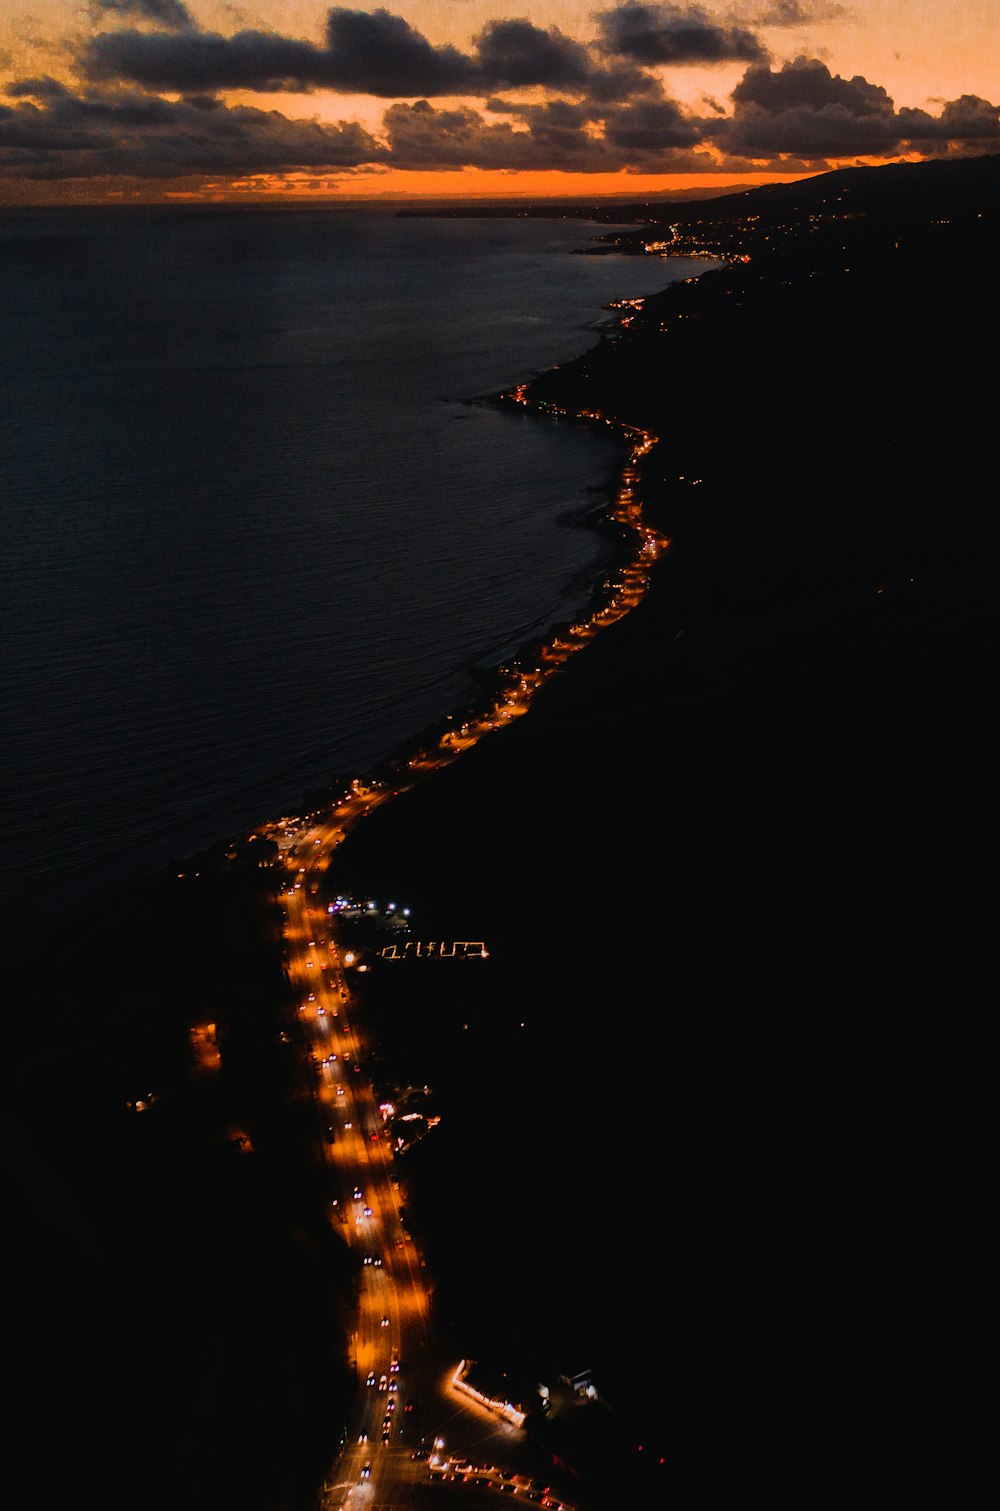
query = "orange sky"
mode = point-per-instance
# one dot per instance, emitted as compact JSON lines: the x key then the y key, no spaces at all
{"x":156,"y":99}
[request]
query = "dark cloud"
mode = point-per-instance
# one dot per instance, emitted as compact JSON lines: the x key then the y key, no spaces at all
{"x":572,"y":115}
{"x":804,"y":109}
{"x":42,"y":88}
{"x":639,"y":127}
{"x":681,"y":34}
{"x":828,"y":132}
{"x":559,"y":135}
{"x":513,"y":53}
{"x":385,"y":50}
{"x":366,"y":52}
{"x":171,"y":14}
{"x":206,"y":60}
{"x":516,"y":54}
{"x":621,"y":80}
{"x":421,"y":136}
{"x":378,"y":53}
{"x":53,"y":133}
{"x":651,"y":126}
{"x":617,"y":117}
{"x":808,"y":83}
{"x":966,"y":122}
{"x":807,"y":111}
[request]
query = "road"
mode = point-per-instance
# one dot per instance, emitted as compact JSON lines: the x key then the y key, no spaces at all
{"x":411,"y":1426}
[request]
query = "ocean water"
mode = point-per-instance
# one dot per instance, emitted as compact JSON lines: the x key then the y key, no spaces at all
{"x":252,"y":532}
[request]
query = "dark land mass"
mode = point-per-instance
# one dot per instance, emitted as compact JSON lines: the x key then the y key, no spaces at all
{"x":620,"y":208}
{"x":727,"y":1059}
{"x":735,"y":870}
{"x":177,"y":1305}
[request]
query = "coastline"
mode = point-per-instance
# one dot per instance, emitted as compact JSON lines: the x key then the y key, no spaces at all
{"x":182,"y":1113}
{"x":718,"y":867}
{"x":692,"y":866}
{"x":585,"y":1450}
{"x":164,"y":803}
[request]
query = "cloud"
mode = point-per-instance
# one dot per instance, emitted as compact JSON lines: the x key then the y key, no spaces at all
{"x":792,"y":119}
{"x":518,"y":54}
{"x":808,"y":82}
{"x":421,"y":136}
{"x":513,"y":53}
{"x":385,"y":50}
{"x":53,"y":133}
{"x":968,"y":121}
{"x":651,"y":126}
{"x":661,"y":32}
{"x":793,"y":13}
{"x":171,"y":14}
{"x":365,"y":52}
{"x":804,"y":109}
{"x":558,"y":135}
{"x":378,"y":53}
{"x":783,"y":13}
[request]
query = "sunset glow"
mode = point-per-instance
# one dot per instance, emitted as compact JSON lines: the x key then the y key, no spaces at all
{"x":151,"y":100}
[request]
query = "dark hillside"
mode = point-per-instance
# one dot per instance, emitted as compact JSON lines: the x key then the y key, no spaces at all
{"x":741,"y":854}
{"x":898,"y":193}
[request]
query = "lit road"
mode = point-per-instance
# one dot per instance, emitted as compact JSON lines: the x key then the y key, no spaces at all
{"x":391,"y":1322}
{"x":406,"y":1395}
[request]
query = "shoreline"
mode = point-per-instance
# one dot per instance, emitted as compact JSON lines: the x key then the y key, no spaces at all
{"x":736,"y":884}
{"x":721,"y":866}
{"x":500,"y":702}
{"x":509,"y":690}
{"x":510,"y":684}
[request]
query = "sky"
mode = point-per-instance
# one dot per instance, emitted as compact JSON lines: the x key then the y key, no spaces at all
{"x":152,"y":101}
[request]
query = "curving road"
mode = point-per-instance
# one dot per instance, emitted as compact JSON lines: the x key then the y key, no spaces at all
{"x":413,"y":1439}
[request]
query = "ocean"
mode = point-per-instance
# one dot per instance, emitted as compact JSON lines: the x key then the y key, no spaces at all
{"x":253,"y":534}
